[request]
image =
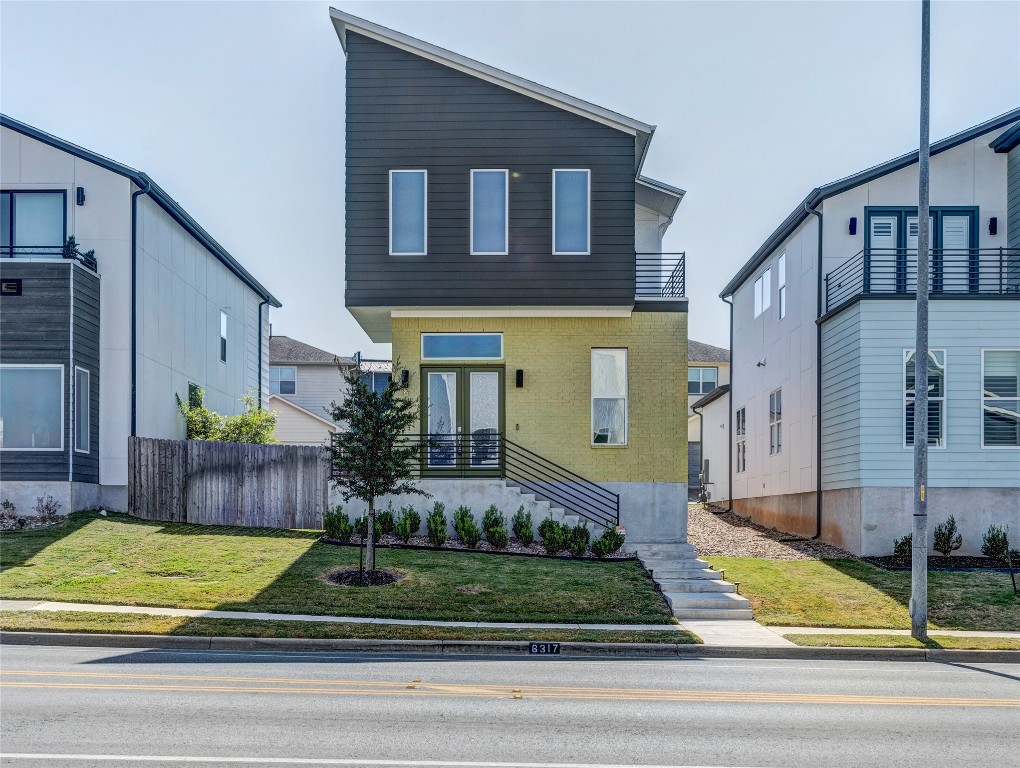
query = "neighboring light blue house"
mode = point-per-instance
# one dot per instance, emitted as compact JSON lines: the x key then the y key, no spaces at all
{"x":823,"y":323}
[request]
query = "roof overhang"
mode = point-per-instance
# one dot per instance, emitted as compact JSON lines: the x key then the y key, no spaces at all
{"x":281,"y":400}
{"x":657,"y":196}
{"x":712,"y":396}
{"x":1008,"y":140}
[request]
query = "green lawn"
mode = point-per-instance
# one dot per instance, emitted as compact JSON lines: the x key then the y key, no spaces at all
{"x":120,"y":560}
{"x":136,"y":624}
{"x":905,"y":641}
{"x":854,"y":594}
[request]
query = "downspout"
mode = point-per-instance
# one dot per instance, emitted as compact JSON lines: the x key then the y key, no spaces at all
{"x":729,"y":449}
{"x":701,"y":442}
{"x":818,"y":382}
{"x":134,"y":304}
{"x":261,"y":304}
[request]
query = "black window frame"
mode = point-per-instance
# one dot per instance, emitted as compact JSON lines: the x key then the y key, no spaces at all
{"x":9,"y":249}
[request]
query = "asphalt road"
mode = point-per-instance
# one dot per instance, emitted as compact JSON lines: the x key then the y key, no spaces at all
{"x":100,"y":707}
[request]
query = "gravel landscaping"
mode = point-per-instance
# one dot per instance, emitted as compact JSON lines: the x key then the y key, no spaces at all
{"x":729,"y":535}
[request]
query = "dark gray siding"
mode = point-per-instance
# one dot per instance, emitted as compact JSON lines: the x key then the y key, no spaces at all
{"x":404,"y":111}
{"x":36,"y":328}
{"x":1013,"y":197}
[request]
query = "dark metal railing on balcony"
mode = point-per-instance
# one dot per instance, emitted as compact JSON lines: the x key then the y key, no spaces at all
{"x":491,"y":454}
{"x":66,"y":251}
{"x":659,"y":275}
{"x":953,"y":272}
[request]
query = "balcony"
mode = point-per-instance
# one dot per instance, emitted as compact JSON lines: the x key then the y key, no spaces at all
{"x":957,"y":273}
{"x":659,"y":276}
{"x":67,"y":251}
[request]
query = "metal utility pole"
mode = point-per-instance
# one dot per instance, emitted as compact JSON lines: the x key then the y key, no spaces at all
{"x":919,"y":549}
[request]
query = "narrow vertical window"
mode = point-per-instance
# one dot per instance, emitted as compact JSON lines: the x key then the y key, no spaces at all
{"x":490,"y":212}
{"x":740,"y":430}
{"x":223,"y":337}
{"x":408,"y":215}
{"x":936,"y":396}
{"x":81,"y":410}
{"x":609,"y":396}
{"x":776,"y":422}
{"x":763,"y":292}
{"x":782,"y":286}
{"x":571,"y":211}
{"x":1000,"y":398}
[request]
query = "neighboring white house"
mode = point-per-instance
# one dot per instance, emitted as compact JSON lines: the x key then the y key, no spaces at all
{"x":708,"y":368}
{"x":304,"y":381}
{"x":823,"y":322}
{"x":94,"y":348}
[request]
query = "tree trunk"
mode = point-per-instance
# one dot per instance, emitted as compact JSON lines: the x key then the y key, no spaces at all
{"x":370,"y":536}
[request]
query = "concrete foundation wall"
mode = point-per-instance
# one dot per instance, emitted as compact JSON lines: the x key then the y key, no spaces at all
{"x":71,"y":497}
{"x":793,"y":512}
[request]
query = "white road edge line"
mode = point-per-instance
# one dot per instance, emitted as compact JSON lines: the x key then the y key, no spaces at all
{"x":320,"y":761}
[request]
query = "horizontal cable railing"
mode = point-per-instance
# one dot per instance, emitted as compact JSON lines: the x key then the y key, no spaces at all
{"x":48,"y":252}
{"x":659,"y":275}
{"x":491,"y":454}
{"x":957,"y":272}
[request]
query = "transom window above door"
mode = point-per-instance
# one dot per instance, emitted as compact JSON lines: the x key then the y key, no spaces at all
{"x":33,"y":223}
{"x":462,"y":346}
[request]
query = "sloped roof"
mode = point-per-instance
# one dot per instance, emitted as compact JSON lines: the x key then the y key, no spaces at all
{"x":818,"y":194}
{"x":157,"y":193}
{"x":1008,"y":140}
{"x":712,"y":396}
{"x":699,"y":352}
{"x":283,"y":349}
{"x":281,"y":400}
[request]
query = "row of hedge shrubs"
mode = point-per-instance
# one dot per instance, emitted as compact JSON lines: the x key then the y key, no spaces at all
{"x":947,"y":539}
{"x":556,"y":537}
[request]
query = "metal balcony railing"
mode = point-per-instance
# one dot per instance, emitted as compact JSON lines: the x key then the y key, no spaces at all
{"x":659,"y":275}
{"x":67,"y":251}
{"x":953,"y":272}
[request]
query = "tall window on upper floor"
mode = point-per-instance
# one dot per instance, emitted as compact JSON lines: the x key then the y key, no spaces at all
{"x":700,"y":380}
{"x":936,"y":396}
{"x":571,"y":211}
{"x":223,"y":337}
{"x":32,"y":223}
{"x":490,"y":212}
{"x":282,"y":380}
{"x":31,"y":407}
{"x":1000,"y":398}
{"x":609,"y":397}
{"x":763,"y":292}
{"x":408,"y":214}
{"x":782,"y":286}
{"x":740,"y":434}
{"x":776,"y":422}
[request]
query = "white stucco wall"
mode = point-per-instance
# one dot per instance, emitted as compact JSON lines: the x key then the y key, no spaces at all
{"x":715,"y":446}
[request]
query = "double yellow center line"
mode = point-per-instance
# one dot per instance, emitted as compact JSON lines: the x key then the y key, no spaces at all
{"x":96,"y":681}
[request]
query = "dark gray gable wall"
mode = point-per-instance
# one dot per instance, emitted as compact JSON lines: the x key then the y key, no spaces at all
{"x":404,"y":111}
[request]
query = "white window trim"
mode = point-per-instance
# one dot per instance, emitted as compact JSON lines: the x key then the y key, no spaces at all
{"x":777,"y":423}
{"x":281,"y":394}
{"x":221,"y":352}
{"x":763,"y":301}
{"x":587,"y":251}
{"x":465,"y":333}
{"x":425,"y":217}
{"x":63,"y":422}
{"x":626,"y":397}
{"x":88,"y":411}
{"x":982,"y":398}
{"x":506,"y":212}
{"x":781,"y":277}
{"x":945,"y":398}
{"x":701,"y":379}
{"x":740,"y":441}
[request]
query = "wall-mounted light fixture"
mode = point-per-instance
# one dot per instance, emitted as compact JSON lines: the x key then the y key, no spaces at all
{"x":993,"y":226}
{"x":853,"y":225}
{"x":405,"y":377}
{"x":79,"y":195}
{"x":761,"y":363}
{"x":519,"y":378}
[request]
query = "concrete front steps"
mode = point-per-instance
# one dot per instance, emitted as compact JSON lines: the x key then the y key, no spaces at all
{"x":692,"y":589}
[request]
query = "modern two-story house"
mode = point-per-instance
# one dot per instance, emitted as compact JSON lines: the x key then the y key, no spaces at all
{"x":501,"y":235}
{"x":98,"y":334}
{"x":821,"y":422}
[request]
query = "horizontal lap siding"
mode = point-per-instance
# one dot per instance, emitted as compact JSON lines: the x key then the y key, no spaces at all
{"x":406,"y":112}
{"x":841,"y":399}
{"x":1013,"y":197}
{"x":86,"y":355}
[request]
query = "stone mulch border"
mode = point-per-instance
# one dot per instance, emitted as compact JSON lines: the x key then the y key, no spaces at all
{"x":727,"y":534}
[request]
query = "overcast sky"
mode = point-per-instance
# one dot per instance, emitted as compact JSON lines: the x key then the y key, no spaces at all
{"x":236,"y":109}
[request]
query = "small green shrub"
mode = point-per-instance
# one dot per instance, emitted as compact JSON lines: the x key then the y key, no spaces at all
{"x":492,"y":518}
{"x":498,"y":537}
{"x":524,"y":530}
{"x":903,"y":548}
{"x":361,"y":526}
{"x":384,"y":519}
{"x":436,"y":525}
{"x":608,"y":543}
{"x":994,"y":543}
{"x":466,"y":527}
{"x":407,"y":525}
{"x":547,"y":527}
{"x":580,"y":536}
{"x":337,"y":525}
{"x":555,"y":537}
{"x":947,"y":538}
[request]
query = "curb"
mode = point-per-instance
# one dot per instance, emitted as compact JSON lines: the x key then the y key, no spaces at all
{"x":503,"y":648}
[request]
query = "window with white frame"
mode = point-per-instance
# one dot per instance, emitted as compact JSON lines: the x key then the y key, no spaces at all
{"x":81,"y":410}
{"x":490,"y":212}
{"x":782,"y":286}
{"x":740,"y":430}
{"x":609,"y":397}
{"x":282,"y":380}
{"x":776,"y":422}
{"x":1000,"y":398}
{"x":936,"y":397}
{"x":31,"y":407}
{"x":223,"y":337}
{"x":571,"y":211}
{"x":408,"y":212}
{"x":701,"y":380}
{"x":462,"y":346}
{"x":763,"y":292}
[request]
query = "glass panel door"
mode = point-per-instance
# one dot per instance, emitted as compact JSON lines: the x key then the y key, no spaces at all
{"x":956,"y":255}
{"x":442,"y":418}
{"x":462,"y":412}
{"x":483,"y":418}
{"x":881,"y":260}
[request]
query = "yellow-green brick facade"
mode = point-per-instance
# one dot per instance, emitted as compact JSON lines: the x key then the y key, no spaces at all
{"x":553,"y":409}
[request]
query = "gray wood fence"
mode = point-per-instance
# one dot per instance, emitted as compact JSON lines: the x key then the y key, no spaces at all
{"x":198,"y":481}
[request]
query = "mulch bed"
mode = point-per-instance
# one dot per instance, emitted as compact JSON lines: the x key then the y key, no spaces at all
{"x":9,"y":522}
{"x":353,"y":577}
{"x":727,"y":534}
{"x":941,"y":563}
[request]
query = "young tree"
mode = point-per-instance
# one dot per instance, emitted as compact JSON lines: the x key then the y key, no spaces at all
{"x":368,"y":454}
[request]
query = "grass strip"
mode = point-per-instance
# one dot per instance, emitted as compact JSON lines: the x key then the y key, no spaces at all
{"x":905,"y":641}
